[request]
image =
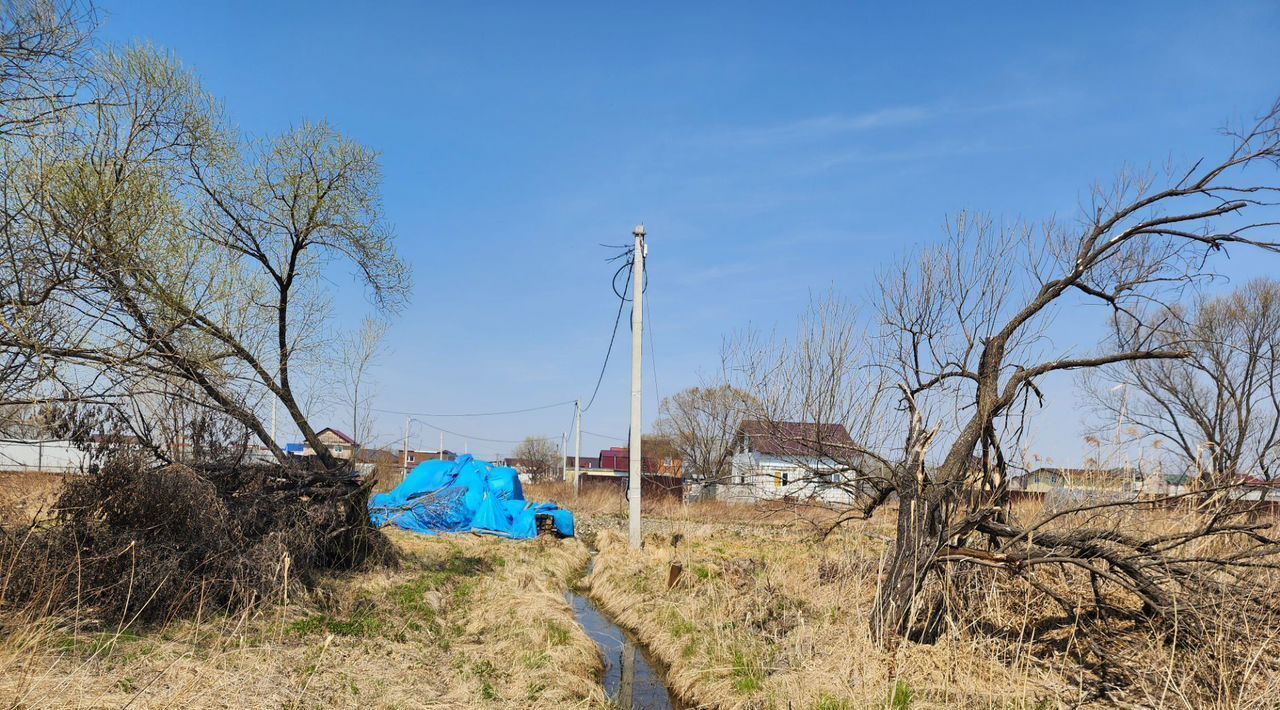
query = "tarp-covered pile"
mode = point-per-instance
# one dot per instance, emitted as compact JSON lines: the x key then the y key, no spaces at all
{"x":465,"y":496}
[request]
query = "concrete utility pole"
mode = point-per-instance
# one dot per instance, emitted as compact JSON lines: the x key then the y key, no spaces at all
{"x":441,"y":455}
{"x":637,"y":355}
{"x":577,"y":444}
{"x":564,"y":460}
{"x":404,"y":457}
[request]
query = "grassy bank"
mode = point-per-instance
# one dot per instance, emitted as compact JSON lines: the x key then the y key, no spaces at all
{"x":765,"y":613}
{"x":464,"y":622}
{"x":772,"y":618}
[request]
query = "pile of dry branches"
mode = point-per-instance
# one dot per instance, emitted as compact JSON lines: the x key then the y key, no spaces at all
{"x":138,"y":542}
{"x":1110,"y":586}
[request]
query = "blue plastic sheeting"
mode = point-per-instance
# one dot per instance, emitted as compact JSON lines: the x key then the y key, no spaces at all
{"x":464,"y":496}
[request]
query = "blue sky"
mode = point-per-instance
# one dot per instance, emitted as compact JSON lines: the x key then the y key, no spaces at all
{"x":773,"y":152}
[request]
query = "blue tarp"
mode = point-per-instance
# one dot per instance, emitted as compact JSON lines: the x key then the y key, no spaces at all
{"x":464,"y":496}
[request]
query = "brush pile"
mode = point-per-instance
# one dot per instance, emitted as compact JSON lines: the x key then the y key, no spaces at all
{"x":138,"y":542}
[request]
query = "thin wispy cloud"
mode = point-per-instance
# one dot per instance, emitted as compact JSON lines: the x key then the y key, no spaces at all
{"x":924,"y":152}
{"x":821,"y":127}
{"x":835,"y":126}
{"x":716,"y":272}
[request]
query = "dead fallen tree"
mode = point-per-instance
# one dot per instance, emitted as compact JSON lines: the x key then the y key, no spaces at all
{"x":136,"y":542}
{"x":1118,"y":589}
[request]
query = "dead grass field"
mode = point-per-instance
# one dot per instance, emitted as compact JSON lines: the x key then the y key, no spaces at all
{"x":598,"y":508}
{"x":27,"y":494}
{"x":465,"y":622}
{"x":775,"y":619}
{"x":767,"y":615}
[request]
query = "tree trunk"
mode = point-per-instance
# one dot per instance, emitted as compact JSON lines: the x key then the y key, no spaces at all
{"x":925,"y":507}
{"x":921,"y":525}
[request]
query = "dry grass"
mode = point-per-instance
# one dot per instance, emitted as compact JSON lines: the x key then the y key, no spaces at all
{"x":464,"y":622}
{"x":595,"y":504}
{"x":27,"y":494}
{"x":1222,"y":650}
{"x":766,"y":613}
{"x":769,"y":616}
{"x":776,"y":619}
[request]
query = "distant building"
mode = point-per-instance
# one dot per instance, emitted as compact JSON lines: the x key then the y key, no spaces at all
{"x":1253,"y":488}
{"x":339,"y":444}
{"x":411,"y":458}
{"x":777,"y":460}
{"x":1080,"y":480}
{"x":521,"y":465}
{"x":616,"y":460}
{"x":586,"y":463}
{"x":1157,"y":484}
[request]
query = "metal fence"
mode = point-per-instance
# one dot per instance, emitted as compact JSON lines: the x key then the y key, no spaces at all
{"x":41,"y":456}
{"x":652,"y":486}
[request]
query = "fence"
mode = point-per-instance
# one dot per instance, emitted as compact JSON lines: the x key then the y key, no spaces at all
{"x":41,"y":456}
{"x":653,"y":487}
{"x":64,"y":457}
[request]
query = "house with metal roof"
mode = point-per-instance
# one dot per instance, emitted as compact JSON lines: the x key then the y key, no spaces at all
{"x":792,"y":460}
{"x":340,"y":444}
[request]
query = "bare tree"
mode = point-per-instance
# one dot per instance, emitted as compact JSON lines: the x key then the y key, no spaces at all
{"x":966,"y":350}
{"x":962,"y":340}
{"x":821,"y":376}
{"x":43,"y":46}
{"x":308,"y":198}
{"x":539,"y":457}
{"x":43,"y":78}
{"x":160,"y":271}
{"x":700,"y":423}
{"x":355,"y":355}
{"x":1216,"y":411}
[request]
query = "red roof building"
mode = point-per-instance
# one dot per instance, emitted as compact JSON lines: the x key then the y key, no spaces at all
{"x":791,"y":439}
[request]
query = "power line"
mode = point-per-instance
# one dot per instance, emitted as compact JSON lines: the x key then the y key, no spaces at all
{"x":627,"y":253}
{"x":469,"y":437}
{"x":653,"y":352}
{"x":622,"y":302}
{"x":474,"y":414}
{"x":603,"y":436}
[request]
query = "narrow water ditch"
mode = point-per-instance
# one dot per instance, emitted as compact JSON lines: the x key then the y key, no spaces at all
{"x":633,"y":678}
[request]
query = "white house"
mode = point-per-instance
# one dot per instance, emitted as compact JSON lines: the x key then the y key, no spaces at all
{"x":791,"y":460}
{"x":1254,"y":489}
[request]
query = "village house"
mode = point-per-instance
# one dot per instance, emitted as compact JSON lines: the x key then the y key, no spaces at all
{"x":616,"y":461}
{"x":585,"y":463}
{"x":1081,"y":480}
{"x":520,"y":465}
{"x":1157,"y":484}
{"x":790,"y":460}
{"x":340,"y":445}
{"x":410,"y":459}
{"x":1253,"y":488}
{"x":1083,"y":484}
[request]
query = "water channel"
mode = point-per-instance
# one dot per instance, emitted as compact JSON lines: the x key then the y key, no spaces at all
{"x":633,"y":678}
